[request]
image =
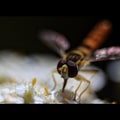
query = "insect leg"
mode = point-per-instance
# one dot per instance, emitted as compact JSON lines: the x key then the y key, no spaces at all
{"x":77,"y":90}
{"x":53,"y":76}
{"x":92,"y":72}
{"x":81,"y":78}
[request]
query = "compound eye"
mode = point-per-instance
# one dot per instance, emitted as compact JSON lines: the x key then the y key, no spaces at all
{"x":72,"y":69}
{"x":60,"y":64}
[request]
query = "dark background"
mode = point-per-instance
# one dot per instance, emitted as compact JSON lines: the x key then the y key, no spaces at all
{"x":20,"y":33}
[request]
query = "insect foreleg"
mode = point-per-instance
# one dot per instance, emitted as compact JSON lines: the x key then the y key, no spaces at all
{"x":77,"y":90}
{"x":92,"y":72}
{"x":53,"y":76}
{"x":81,"y":78}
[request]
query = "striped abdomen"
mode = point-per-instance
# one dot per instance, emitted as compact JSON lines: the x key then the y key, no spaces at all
{"x":92,"y":41}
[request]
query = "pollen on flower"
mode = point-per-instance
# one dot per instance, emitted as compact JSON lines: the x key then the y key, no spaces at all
{"x":11,"y":80}
{"x":34,"y":81}
{"x":29,"y":93}
{"x":28,"y":97}
{"x":46,"y":91}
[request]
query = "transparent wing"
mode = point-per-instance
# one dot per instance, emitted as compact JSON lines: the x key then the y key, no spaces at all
{"x":54,"y":40}
{"x":110,"y":53}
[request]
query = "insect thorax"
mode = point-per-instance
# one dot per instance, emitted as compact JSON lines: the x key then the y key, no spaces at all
{"x":73,"y":57}
{"x":77,"y":58}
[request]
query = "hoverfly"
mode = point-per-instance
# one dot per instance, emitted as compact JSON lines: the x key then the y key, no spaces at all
{"x":76,"y":59}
